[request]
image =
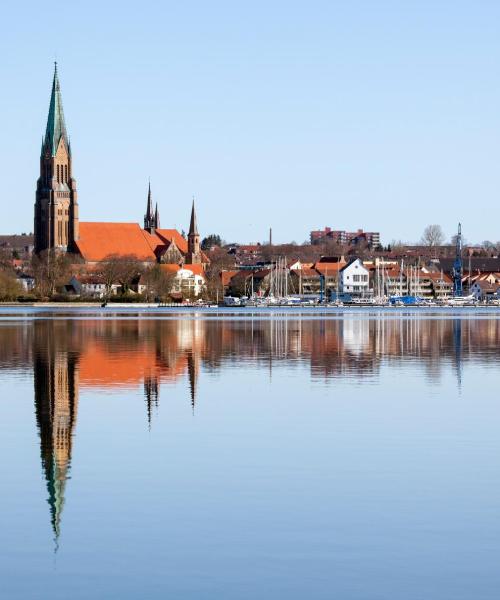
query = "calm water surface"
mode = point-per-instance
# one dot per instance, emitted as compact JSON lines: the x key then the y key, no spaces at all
{"x":350,"y":456}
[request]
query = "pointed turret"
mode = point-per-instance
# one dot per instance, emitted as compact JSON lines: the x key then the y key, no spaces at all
{"x":149,"y":224}
{"x":157,"y":217}
{"x":194,"y":254}
{"x":193,"y":225}
{"x":56,"y":127}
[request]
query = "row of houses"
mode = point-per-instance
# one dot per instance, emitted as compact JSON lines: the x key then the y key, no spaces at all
{"x":187,"y":281}
{"x":329,"y":275}
{"x":360,"y":279}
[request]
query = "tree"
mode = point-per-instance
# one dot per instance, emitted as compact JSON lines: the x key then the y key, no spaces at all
{"x":219,"y":260}
{"x":158,"y":282}
{"x":9,"y":287}
{"x":433,"y":236}
{"x":5,"y":258}
{"x":211,"y":241}
{"x":51,"y":270}
{"x":453,"y":240}
{"x":396,"y":246}
{"x":120,"y":270}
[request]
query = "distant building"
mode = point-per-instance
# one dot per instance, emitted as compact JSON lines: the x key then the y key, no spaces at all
{"x":355,"y":279}
{"x":349,"y":238}
{"x":483,"y":290}
{"x":22,"y":245}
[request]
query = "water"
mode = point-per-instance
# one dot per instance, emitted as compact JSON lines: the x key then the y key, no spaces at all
{"x":291,"y":454}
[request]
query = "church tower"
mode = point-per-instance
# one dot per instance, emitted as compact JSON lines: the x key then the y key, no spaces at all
{"x":193,"y":255}
{"x":56,"y":206}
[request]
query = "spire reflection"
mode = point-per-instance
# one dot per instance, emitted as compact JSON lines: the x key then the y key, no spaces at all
{"x":55,"y":368}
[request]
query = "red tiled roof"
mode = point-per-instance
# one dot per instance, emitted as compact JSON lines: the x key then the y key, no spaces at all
{"x":438,"y":277}
{"x":307,"y":272}
{"x":175,"y":268}
{"x":169,"y":235}
{"x":329,"y":268}
{"x":196,"y":269}
{"x":261,"y":273}
{"x":226,"y":276}
{"x":486,"y":286}
{"x":170,"y":267}
{"x":99,"y":240}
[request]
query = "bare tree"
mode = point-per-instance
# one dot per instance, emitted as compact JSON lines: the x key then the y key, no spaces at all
{"x":433,"y":236}
{"x":219,"y":260}
{"x":397,"y":246}
{"x":51,"y":270}
{"x":5,"y":258}
{"x":119,"y":270}
{"x":158,"y":282}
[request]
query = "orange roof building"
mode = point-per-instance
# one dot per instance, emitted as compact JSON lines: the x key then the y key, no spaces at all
{"x":99,"y":241}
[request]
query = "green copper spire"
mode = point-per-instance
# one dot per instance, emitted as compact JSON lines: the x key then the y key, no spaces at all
{"x":56,"y":127}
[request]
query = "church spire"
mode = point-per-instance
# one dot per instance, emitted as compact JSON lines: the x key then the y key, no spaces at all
{"x":149,"y":217}
{"x":193,"y":255}
{"x":56,"y":127}
{"x":157,"y":217}
{"x":56,"y":205}
{"x":193,"y":225}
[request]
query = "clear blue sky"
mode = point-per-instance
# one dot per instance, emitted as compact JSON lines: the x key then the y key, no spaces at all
{"x":295,"y":115}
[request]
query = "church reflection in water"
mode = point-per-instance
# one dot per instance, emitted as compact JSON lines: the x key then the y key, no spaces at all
{"x":69,"y":357}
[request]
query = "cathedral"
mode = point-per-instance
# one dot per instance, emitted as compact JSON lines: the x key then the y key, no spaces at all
{"x":57,"y":225}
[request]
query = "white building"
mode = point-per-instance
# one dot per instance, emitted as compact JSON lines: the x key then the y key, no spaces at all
{"x":355,"y":279}
{"x":483,"y":290}
{"x":26,"y":282}
{"x":188,"y":279}
{"x":90,"y":286}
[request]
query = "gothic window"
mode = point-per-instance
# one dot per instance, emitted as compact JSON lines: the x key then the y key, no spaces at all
{"x":66,"y":173}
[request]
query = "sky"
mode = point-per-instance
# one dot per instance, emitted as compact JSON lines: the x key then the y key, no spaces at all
{"x":382,"y":115}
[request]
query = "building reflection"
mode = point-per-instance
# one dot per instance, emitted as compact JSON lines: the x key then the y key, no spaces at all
{"x":69,"y":358}
{"x":56,"y":382}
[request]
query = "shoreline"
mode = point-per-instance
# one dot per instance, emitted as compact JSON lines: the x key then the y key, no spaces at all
{"x":155,"y":306}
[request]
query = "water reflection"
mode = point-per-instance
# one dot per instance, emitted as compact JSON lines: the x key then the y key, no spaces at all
{"x":55,"y":367}
{"x":68,"y":357}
